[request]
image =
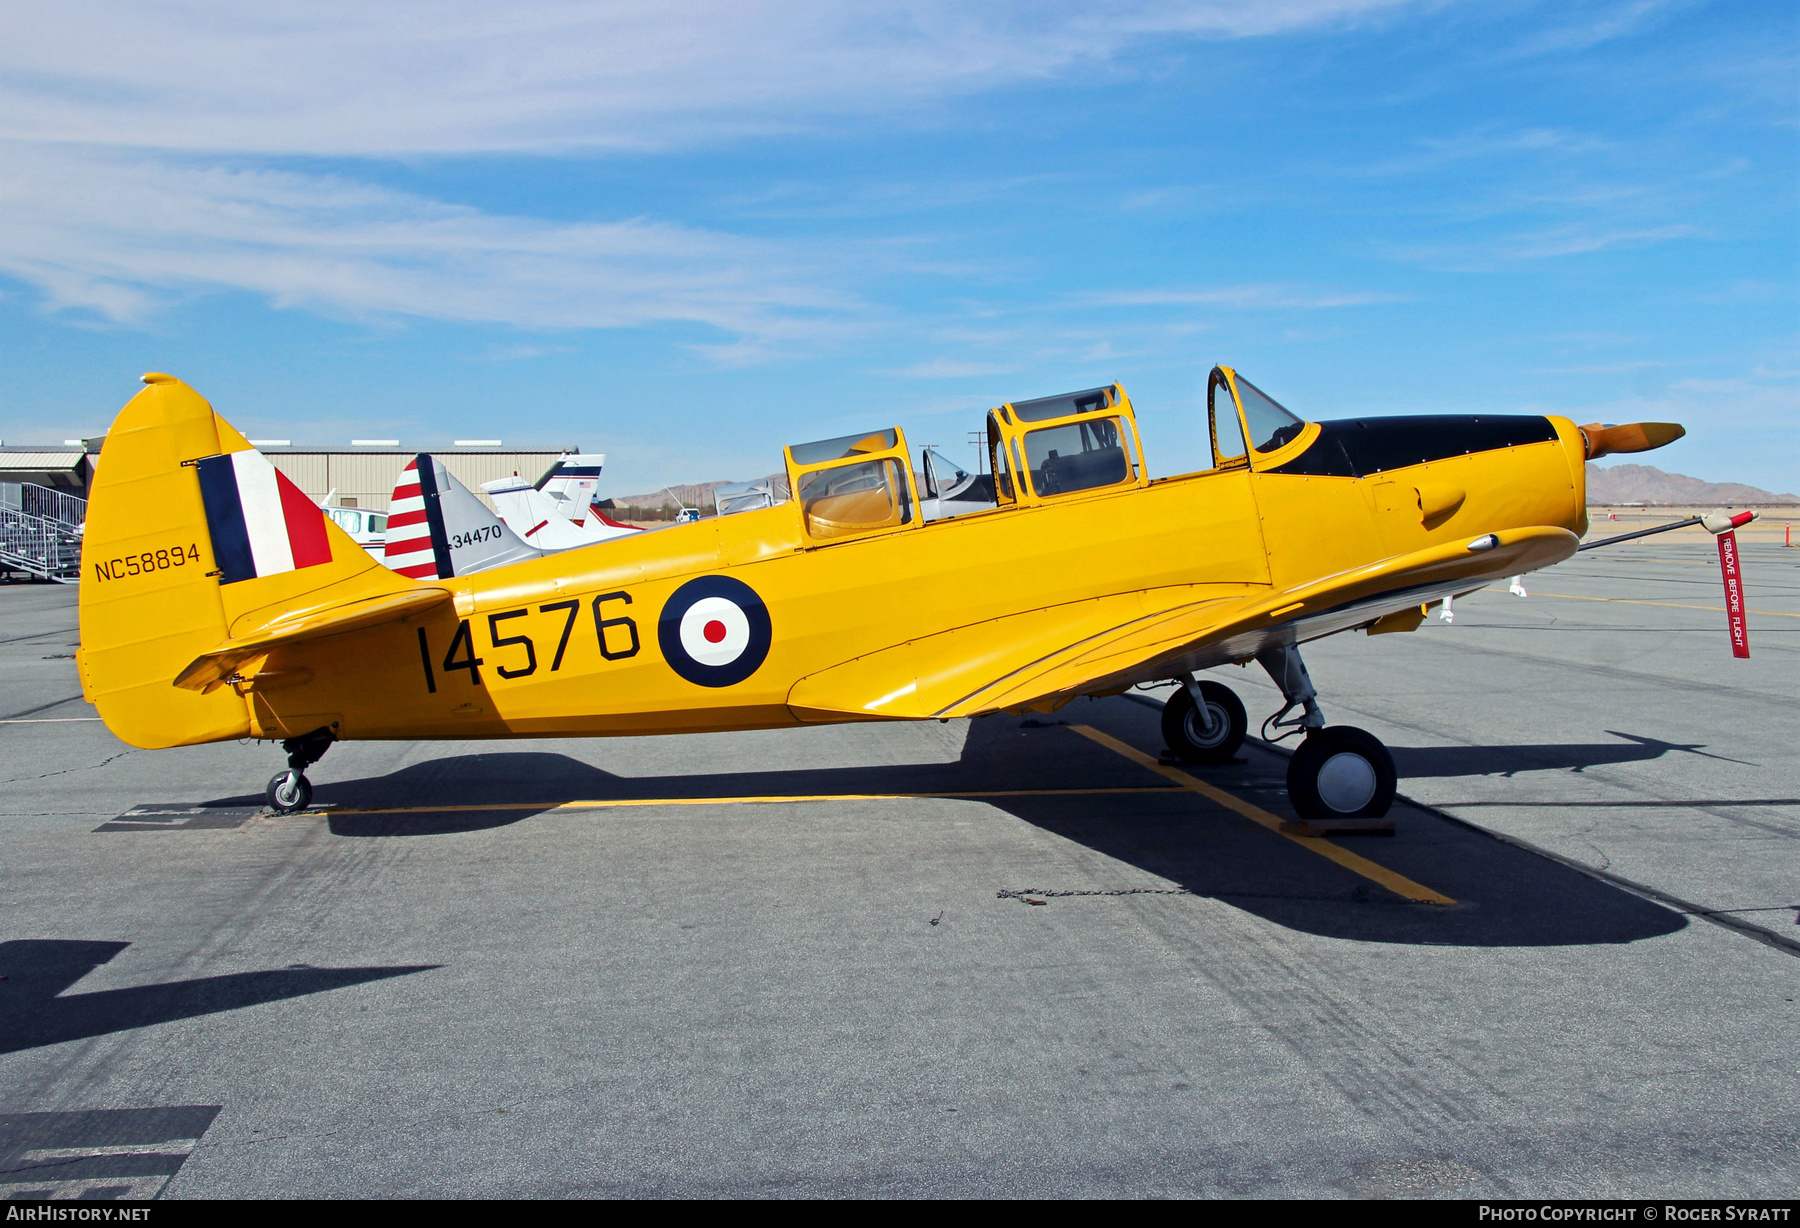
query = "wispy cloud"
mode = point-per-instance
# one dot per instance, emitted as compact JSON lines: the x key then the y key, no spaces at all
{"x":1485,"y":143}
{"x":1582,"y":29}
{"x":131,"y":134}
{"x":116,"y":236}
{"x":1245,"y":298}
{"x":945,"y":368}
{"x":1503,"y":250}
{"x":339,"y":77}
{"x":1604,"y":368}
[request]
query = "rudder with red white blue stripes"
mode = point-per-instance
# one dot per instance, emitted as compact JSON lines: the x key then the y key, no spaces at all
{"x":261,"y":524}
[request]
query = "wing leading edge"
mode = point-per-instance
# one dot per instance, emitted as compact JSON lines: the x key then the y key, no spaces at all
{"x":1042,"y":659}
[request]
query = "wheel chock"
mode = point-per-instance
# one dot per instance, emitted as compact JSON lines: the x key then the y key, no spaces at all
{"x":1339,"y":827}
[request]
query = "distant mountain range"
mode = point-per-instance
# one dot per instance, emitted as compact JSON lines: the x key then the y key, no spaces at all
{"x":696,"y":494}
{"x":1647,"y":484}
{"x":1610,"y":484}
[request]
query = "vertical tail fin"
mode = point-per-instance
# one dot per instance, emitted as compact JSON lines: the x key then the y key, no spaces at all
{"x":193,"y":538}
{"x":437,"y":528}
{"x":548,"y":525}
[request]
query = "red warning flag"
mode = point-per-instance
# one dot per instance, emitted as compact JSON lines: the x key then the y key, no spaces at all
{"x":1734,"y":594}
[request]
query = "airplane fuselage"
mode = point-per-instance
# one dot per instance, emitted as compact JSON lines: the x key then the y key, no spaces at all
{"x":582,"y":643}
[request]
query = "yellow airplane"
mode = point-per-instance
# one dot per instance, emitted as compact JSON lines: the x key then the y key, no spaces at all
{"x":218,"y":602}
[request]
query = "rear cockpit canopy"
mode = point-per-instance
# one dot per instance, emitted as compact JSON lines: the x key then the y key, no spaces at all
{"x":843,"y":447}
{"x":852,"y":485}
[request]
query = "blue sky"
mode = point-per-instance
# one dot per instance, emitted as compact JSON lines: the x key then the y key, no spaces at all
{"x":685,"y":233}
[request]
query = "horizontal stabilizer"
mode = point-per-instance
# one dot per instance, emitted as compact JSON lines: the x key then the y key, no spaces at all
{"x":210,"y":670}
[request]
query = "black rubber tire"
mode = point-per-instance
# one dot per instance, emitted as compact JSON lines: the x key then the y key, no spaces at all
{"x":282,"y":800}
{"x":1181,"y":730}
{"x":1341,"y":794}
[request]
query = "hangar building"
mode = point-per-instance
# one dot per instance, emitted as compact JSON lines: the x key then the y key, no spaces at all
{"x":362,"y":474}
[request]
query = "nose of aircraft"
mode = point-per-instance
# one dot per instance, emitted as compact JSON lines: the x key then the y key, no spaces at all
{"x":1631,"y":437}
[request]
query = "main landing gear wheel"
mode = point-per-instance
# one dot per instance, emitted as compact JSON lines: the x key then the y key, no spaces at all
{"x":1210,"y":738}
{"x":1341,"y":772}
{"x":289,"y":792}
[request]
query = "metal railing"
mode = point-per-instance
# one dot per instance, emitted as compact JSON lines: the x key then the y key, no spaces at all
{"x":40,"y":531}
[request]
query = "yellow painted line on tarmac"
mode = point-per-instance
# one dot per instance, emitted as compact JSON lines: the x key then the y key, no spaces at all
{"x":755,"y":800}
{"x":1399,"y":884}
{"x":1679,"y":605}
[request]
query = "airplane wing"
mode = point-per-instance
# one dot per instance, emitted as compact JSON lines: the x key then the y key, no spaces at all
{"x":1042,"y":659}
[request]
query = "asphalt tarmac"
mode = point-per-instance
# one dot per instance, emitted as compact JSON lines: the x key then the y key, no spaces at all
{"x":643,"y":967}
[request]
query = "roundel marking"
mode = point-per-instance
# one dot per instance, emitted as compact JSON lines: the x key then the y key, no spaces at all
{"x":714,"y":631}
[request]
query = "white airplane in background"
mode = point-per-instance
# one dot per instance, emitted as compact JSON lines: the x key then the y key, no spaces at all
{"x":558,"y":511}
{"x":366,"y":528}
{"x":438,"y":528}
{"x":729,"y":498}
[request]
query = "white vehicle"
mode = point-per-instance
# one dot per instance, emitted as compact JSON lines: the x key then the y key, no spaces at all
{"x":557,"y":512}
{"x":368,"y":529}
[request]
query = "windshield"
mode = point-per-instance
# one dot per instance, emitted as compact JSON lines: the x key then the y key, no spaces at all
{"x":1228,"y":434}
{"x":943,"y":474}
{"x":1270,"y":425}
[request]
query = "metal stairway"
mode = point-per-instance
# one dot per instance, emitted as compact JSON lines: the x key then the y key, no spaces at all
{"x":40,"y":531}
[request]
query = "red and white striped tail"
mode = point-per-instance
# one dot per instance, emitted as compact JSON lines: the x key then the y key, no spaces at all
{"x":409,"y":549}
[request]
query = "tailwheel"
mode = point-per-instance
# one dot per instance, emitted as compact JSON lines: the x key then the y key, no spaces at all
{"x":1212,"y":735}
{"x":289,"y":792}
{"x":1341,"y":772}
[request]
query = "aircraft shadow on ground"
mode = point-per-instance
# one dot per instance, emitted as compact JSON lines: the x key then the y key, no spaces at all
{"x":1507,"y":896}
{"x":1439,"y":761}
{"x":33,"y":1011}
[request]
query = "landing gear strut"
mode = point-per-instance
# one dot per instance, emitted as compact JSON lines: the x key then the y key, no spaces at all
{"x":290,"y":791}
{"x":1339,"y":771}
